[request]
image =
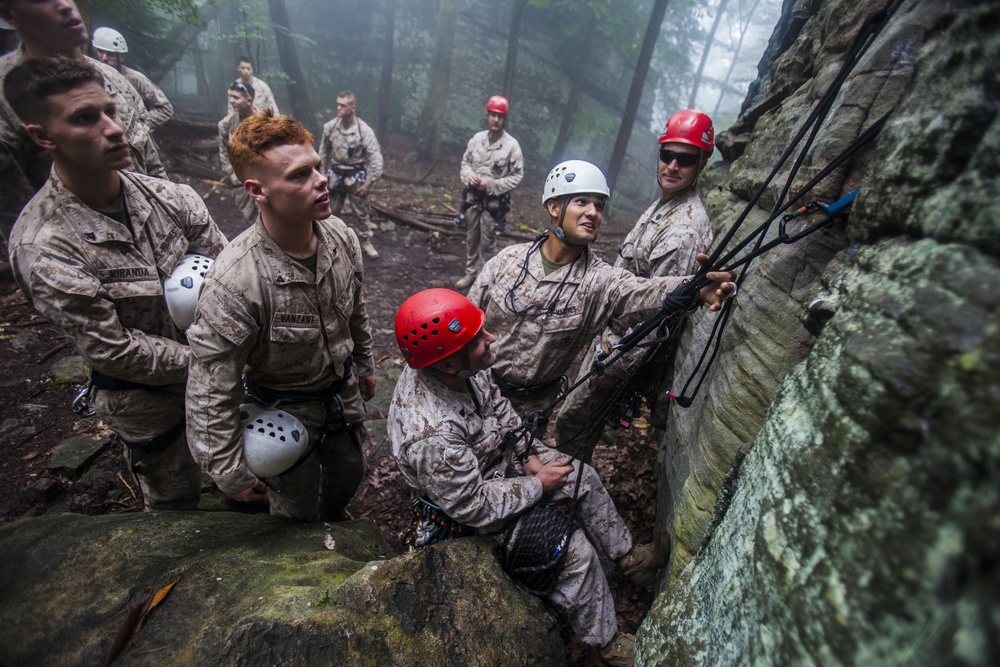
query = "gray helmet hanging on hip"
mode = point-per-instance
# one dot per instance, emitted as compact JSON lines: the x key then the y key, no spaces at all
{"x":573,"y":177}
{"x":273,"y":440}
{"x":183,"y":288}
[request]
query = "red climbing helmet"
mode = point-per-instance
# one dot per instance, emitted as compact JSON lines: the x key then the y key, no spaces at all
{"x":498,"y":104}
{"x":690,"y":127}
{"x":434,"y":324}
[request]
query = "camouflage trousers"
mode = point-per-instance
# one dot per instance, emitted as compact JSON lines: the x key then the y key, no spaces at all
{"x":582,"y":593}
{"x":322,"y":484}
{"x":360,"y":209}
{"x":480,"y":240}
{"x":169,"y":478}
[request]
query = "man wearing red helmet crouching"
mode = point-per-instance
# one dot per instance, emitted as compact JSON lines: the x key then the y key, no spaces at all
{"x":491,"y":167}
{"x":665,"y":241}
{"x":458,"y":443}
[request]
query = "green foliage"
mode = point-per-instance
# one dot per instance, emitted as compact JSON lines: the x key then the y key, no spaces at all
{"x":183,"y":10}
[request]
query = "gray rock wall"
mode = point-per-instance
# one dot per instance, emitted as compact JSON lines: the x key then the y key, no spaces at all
{"x":865,"y":527}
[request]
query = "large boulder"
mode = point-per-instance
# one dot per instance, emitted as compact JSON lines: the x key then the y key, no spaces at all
{"x":258,"y":590}
{"x":864,"y":524}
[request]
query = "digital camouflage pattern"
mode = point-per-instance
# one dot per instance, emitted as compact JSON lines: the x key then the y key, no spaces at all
{"x":446,"y":443}
{"x":665,"y":241}
{"x":501,"y":167}
{"x":265,"y":314}
{"x":24,"y":166}
{"x":102,"y":285}
{"x":241,"y":200}
{"x":158,"y":108}
{"x":351,"y":148}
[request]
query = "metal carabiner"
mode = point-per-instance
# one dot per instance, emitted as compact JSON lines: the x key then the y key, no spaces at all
{"x":81,"y":404}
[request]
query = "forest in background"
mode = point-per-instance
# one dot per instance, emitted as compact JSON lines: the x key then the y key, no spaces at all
{"x":593,"y":80}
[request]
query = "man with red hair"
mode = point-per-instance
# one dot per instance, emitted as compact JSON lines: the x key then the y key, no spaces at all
{"x":283,"y":315}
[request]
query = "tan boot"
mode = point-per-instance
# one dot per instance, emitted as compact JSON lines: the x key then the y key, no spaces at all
{"x":369,"y":249}
{"x":641,"y":563}
{"x":620,"y":651}
{"x":464,"y":282}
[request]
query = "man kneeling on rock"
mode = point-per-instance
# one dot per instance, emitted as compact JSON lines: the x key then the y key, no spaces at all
{"x":92,"y":250}
{"x":450,"y":432}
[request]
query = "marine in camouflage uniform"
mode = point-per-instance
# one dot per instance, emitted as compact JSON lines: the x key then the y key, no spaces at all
{"x":263,"y":96}
{"x":290,"y":330}
{"x":241,"y":99}
{"x":100,"y":280}
{"x":158,"y":108}
{"x":665,"y":241}
{"x":445,"y":442}
{"x":24,"y":166}
{"x":352,"y":162}
{"x":492,"y":166}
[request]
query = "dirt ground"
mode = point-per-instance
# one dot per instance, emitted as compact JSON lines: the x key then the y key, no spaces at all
{"x":36,"y":415}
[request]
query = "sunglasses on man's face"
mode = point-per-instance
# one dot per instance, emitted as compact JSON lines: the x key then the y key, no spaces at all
{"x":684,"y":160}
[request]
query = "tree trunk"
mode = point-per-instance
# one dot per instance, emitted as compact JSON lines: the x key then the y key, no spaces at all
{"x":513,"y":36}
{"x":719,"y":11}
{"x":744,"y":26}
{"x":199,"y":68}
{"x":182,"y":36}
{"x":289,"y":57}
{"x":635,"y":91}
{"x":432,"y":116}
{"x":569,"y":110}
{"x":388,"y":58}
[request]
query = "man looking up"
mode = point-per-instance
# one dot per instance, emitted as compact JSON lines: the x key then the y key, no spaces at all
{"x":491,"y":167}
{"x":111,"y":49}
{"x":91,"y":250}
{"x":241,"y":96}
{"x":352,"y":162}
{"x":546,"y":300}
{"x":263,"y":97}
{"x":283,"y":313}
{"x":53,"y":28}
{"x":665,"y":241}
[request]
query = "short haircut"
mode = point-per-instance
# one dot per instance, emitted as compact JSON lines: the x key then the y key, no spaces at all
{"x":242,"y":59}
{"x":243,"y":88}
{"x":258,"y":134}
{"x":348,"y":93}
{"x":27,"y":86}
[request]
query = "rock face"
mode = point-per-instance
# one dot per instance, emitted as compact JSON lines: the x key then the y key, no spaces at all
{"x":258,"y":590}
{"x":864,"y":526}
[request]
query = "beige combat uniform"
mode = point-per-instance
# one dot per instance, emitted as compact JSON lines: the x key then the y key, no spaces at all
{"x":446,"y":445}
{"x":158,"y":107}
{"x":664,"y":242}
{"x":241,"y":200}
{"x":346,"y":152}
{"x":543,"y":321}
{"x":102,"y":285}
{"x":24,"y":165}
{"x":264,"y":314}
{"x":501,"y":167}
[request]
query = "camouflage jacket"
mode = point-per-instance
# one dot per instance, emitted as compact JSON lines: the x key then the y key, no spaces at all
{"x":227,"y":126}
{"x":351,"y":148}
{"x":264,"y":314}
{"x":543,"y":321}
{"x":103,"y":284}
{"x":500,"y":164}
{"x":24,"y":165}
{"x":446,"y":443}
{"x":158,"y":107}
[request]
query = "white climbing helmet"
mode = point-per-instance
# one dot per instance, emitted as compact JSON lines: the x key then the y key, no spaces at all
{"x":574,"y":177}
{"x":273,"y":440}
{"x":110,"y":40}
{"x":183,"y":288}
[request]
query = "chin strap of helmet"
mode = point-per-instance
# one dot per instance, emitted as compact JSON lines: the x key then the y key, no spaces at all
{"x":558,"y":231}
